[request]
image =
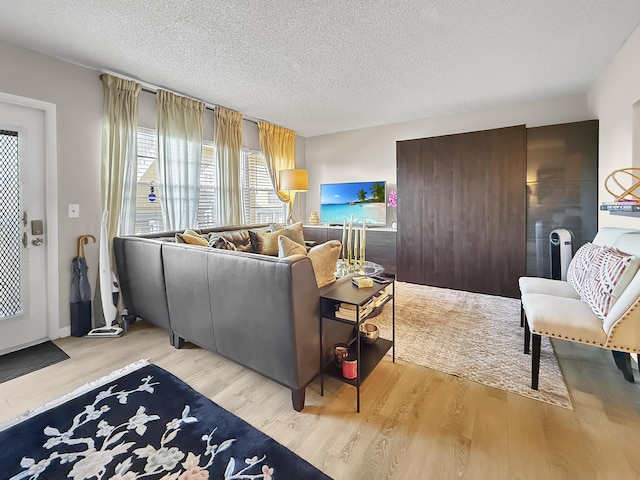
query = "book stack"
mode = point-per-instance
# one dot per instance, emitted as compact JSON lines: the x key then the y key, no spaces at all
{"x":347,"y":311}
{"x":362,"y":282}
{"x":621,"y":206}
{"x":380,"y":297}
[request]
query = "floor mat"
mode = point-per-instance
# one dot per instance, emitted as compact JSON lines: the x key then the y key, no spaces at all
{"x":27,"y":360}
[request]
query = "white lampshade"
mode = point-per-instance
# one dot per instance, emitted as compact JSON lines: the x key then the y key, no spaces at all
{"x":293,"y":180}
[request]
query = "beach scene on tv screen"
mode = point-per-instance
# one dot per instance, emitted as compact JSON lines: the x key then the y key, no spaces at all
{"x":363,"y":200}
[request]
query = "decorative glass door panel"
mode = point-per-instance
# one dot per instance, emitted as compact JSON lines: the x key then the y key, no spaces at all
{"x":10,"y":230}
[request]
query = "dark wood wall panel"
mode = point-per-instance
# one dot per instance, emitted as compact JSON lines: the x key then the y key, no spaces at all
{"x":461,"y":221}
{"x":562,"y":184}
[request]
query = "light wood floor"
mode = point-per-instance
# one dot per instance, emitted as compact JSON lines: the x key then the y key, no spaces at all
{"x":415,"y":423}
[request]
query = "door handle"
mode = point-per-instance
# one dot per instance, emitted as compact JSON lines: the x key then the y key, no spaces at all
{"x":37,"y":241}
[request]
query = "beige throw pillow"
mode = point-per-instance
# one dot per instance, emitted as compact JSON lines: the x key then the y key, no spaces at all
{"x":323,"y":257}
{"x":266,"y":243}
{"x":294,"y":232}
{"x":192,"y":237}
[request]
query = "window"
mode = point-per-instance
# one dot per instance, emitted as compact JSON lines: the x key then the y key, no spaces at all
{"x":148,"y":201}
{"x":260,"y":203}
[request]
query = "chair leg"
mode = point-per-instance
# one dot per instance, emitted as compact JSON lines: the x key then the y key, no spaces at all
{"x":535,"y":361}
{"x":623,"y":362}
{"x":522,"y":322}
{"x":527,"y":337}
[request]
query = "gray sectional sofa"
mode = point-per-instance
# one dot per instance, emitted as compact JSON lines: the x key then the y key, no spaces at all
{"x":260,"y":311}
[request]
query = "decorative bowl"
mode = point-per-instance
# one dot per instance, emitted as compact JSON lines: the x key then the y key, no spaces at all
{"x":369,"y":332}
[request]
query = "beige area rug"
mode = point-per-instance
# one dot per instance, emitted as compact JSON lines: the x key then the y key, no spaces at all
{"x":473,"y":336}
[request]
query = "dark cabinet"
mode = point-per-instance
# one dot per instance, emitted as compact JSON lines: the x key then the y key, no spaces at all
{"x":462,"y":211}
{"x":381,"y":243}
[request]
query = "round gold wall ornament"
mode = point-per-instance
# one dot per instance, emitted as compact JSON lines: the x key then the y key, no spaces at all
{"x":614,"y":184}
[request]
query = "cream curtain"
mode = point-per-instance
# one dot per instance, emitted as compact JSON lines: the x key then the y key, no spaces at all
{"x":279,"y":150}
{"x":228,"y":143}
{"x":119,"y":153}
{"x":179,"y":129}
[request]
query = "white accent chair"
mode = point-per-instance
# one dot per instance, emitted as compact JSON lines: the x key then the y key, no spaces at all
{"x":554,"y":308}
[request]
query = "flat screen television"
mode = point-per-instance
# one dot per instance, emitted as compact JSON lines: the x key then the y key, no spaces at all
{"x":363,"y":200}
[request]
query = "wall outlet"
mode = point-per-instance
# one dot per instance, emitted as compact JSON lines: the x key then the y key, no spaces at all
{"x":74,"y":210}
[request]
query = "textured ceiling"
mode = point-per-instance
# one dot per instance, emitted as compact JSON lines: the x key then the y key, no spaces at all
{"x":324,"y":66}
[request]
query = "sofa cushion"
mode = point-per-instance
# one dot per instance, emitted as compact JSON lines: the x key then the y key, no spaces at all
{"x":192,"y":237}
{"x":580,"y":265}
{"x":607,"y":278}
{"x":324,"y":257}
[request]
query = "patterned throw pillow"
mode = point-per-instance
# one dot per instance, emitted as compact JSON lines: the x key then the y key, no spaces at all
{"x":323,"y":257}
{"x":607,"y":279}
{"x":221,"y":243}
{"x":580,"y":264}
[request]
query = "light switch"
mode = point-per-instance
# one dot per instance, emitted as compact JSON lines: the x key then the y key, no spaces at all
{"x":74,"y":210}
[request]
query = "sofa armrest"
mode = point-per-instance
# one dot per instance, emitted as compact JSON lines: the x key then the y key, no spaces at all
{"x":141,"y":278}
{"x":265,"y":314}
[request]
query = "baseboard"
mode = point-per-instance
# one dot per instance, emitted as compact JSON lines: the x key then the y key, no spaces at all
{"x":64,"y":332}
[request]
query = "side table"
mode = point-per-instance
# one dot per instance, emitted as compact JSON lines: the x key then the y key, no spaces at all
{"x":367,"y":355}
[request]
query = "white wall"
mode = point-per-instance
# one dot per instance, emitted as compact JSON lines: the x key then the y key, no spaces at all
{"x":77,"y":94}
{"x":615,"y":99}
{"x":369,"y":154}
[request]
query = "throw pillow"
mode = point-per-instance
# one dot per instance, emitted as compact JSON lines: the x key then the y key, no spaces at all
{"x":294,"y":232}
{"x":266,"y":243}
{"x":580,"y":265}
{"x":324,"y":257}
{"x":221,"y":243}
{"x":287,"y":247}
{"x":192,"y":237}
{"x":240,"y":239}
{"x":253,"y":238}
{"x":607,"y":279}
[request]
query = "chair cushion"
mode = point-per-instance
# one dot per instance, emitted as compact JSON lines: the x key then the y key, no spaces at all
{"x":608,"y":277}
{"x":547,"y":286}
{"x":565,"y":318}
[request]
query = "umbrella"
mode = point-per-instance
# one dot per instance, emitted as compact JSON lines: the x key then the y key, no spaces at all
{"x":80,"y":291}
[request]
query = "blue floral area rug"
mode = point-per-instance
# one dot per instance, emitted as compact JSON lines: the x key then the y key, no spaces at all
{"x":142,"y":422}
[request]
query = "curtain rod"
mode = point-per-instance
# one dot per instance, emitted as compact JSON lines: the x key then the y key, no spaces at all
{"x":149,"y":88}
{"x":207,"y":105}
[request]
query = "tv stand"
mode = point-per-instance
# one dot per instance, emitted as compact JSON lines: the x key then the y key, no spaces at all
{"x":381,"y":243}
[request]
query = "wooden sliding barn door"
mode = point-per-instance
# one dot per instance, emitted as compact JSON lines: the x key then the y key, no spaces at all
{"x":462,"y":211}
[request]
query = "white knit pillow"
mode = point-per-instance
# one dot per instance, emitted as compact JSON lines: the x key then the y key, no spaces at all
{"x":607,"y":279}
{"x":580,"y":265}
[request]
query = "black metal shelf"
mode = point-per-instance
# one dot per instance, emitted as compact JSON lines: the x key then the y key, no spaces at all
{"x":368,"y":355}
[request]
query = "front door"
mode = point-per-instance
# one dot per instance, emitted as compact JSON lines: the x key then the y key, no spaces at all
{"x":23,"y":227}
